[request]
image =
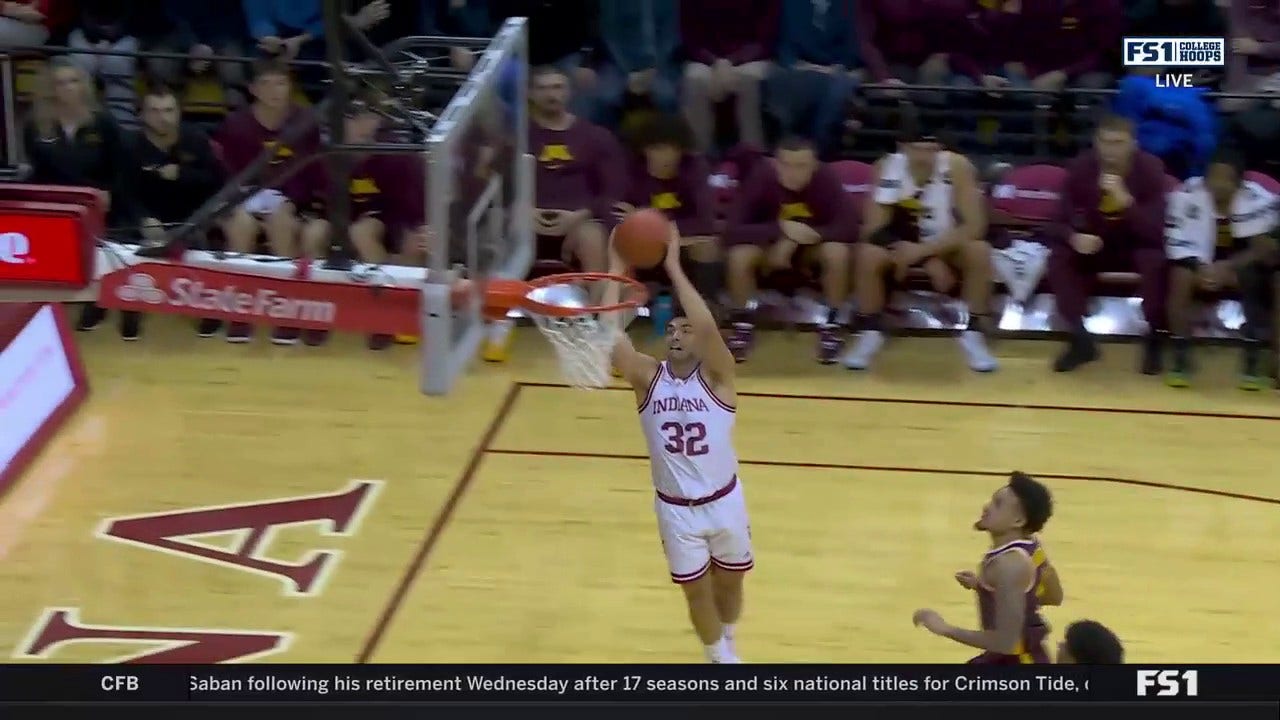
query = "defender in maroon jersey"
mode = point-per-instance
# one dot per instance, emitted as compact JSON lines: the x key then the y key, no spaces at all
{"x":1012,"y":582}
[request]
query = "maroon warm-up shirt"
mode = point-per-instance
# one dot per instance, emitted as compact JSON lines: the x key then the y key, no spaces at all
{"x":1083,"y":208}
{"x":762,"y":203}
{"x":686,"y":198}
{"x":391,"y":188}
{"x":581,"y":167}
{"x":243,"y":138}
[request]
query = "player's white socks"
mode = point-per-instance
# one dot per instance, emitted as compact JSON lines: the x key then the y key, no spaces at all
{"x":727,"y":634}
{"x":715,"y":652}
{"x":723,"y":652}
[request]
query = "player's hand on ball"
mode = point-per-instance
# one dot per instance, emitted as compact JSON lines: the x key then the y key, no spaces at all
{"x":929,"y":620}
{"x":968,"y":579}
{"x":622,"y":210}
{"x":617,"y":266}
{"x":673,"y":248}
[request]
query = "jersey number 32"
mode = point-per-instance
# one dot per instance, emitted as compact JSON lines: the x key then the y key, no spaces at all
{"x":689,"y":439}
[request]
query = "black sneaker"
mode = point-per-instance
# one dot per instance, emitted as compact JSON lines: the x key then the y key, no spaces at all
{"x":1252,"y":377}
{"x":1153,"y":353}
{"x":130,"y":326}
{"x":315,"y":338}
{"x":285,"y":336}
{"x":238,"y":333}
{"x":208,"y":327}
{"x":379,"y":342}
{"x":1081,"y":349}
{"x":91,"y":316}
{"x":1179,"y":374}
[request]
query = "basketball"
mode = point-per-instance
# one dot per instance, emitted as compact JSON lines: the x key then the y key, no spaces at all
{"x":641,"y":239}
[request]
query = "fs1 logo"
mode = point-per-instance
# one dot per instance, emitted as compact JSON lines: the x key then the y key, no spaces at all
{"x":1171,"y":52}
{"x":15,"y":248}
{"x":1169,"y":683}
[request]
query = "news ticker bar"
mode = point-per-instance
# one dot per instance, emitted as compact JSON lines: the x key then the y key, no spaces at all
{"x":671,"y":683}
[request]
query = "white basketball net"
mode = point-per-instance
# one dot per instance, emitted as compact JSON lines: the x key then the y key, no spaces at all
{"x":583,"y":342}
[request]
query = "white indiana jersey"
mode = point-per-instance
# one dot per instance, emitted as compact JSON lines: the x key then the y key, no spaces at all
{"x":933,"y":203}
{"x":690,"y":435}
{"x":1192,"y":222}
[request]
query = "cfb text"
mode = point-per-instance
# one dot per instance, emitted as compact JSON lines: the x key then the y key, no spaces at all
{"x":116,"y":683}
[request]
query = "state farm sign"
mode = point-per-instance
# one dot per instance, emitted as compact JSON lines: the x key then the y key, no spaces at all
{"x":259,"y":300}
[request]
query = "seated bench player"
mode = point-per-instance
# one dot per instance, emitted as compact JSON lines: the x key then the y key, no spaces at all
{"x":926,"y":211}
{"x":671,"y":177}
{"x":787,"y":214}
{"x":387,"y":195}
{"x":273,"y":212}
{"x":1219,"y":235}
{"x":580,"y":173}
{"x":1110,"y":218}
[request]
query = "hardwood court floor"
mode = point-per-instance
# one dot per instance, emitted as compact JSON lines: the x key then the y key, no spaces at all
{"x":305,"y":504}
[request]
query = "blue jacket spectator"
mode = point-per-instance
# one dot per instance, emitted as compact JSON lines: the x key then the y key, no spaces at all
{"x":639,"y":39}
{"x":819,"y":32}
{"x":291,"y":30}
{"x":284,"y":18}
{"x":819,"y":68}
{"x":1177,"y":125}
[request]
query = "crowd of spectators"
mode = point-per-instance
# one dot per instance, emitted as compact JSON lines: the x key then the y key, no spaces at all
{"x":631,"y":102}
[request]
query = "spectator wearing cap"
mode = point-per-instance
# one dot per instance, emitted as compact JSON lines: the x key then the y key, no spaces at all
{"x":639,"y":39}
{"x":728,"y":45}
{"x":818,"y":70}
{"x":1253,"y":59}
{"x":172,"y":171}
{"x":70,"y":140}
{"x":110,"y":25}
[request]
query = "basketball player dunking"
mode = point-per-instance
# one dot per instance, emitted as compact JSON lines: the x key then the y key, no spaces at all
{"x":1012,"y":582}
{"x":686,"y":405}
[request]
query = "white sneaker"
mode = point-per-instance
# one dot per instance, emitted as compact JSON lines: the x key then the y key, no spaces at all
{"x":974,"y":345}
{"x":864,"y":350}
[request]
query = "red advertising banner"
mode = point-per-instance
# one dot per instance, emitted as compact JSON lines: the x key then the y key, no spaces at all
{"x":46,"y":246}
{"x":258,"y":300}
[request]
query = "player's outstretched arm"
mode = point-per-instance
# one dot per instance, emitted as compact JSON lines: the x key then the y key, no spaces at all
{"x":636,"y":367}
{"x":714,"y":352}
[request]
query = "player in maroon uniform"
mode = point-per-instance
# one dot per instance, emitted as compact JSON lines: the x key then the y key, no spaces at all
{"x":1010,"y":581}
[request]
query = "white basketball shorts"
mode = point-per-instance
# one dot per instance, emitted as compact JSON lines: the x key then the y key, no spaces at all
{"x":695,"y":538}
{"x":264,"y":202}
